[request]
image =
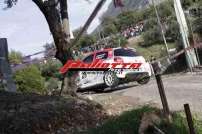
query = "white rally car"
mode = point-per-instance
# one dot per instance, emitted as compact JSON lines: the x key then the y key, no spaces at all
{"x":90,"y":79}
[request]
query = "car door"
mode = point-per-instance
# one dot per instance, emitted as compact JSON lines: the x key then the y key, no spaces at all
{"x":103,"y":55}
{"x":87,"y":78}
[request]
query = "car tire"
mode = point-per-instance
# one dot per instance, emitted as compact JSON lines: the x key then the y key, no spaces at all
{"x":110,"y":79}
{"x":144,"y":80}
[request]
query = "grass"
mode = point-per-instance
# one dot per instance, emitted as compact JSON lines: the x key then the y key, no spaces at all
{"x":178,"y":126}
{"x":156,"y":50}
{"x":129,"y":122}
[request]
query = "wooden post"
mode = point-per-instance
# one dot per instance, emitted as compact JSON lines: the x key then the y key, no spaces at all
{"x":161,"y":89}
{"x":162,"y":94}
{"x":5,"y":68}
{"x":189,"y":119}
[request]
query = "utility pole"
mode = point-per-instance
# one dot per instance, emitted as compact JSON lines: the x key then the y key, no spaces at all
{"x":194,"y":41}
{"x":5,"y":68}
{"x":161,"y":27}
{"x":190,"y":54}
{"x":88,"y":22}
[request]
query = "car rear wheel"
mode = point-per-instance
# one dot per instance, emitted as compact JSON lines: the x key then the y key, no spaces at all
{"x":110,"y":79}
{"x":144,"y":80}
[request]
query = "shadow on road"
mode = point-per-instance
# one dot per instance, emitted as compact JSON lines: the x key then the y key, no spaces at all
{"x":108,"y":90}
{"x":121,"y":87}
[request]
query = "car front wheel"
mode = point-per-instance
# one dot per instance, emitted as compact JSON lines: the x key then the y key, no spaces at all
{"x":110,"y":79}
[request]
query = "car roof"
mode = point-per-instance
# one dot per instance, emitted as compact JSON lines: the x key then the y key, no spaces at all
{"x":107,"y":49}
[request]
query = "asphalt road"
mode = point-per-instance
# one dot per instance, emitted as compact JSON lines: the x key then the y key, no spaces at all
{"x":180,"y":89}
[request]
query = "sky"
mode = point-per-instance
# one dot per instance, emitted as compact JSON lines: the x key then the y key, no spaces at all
{"x":26,"y":29}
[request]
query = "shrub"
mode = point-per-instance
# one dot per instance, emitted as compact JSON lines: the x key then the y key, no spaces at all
{"x":118,"y":41}
{"x":50,"y":69}
{"x":15,"y":57}
{"x":29,"y":80}
{"x":197,"y":26}
{"x":152,"y":36}
{"x":52,"y":85}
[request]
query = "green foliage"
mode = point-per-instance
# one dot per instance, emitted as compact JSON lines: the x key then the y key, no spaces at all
{"x":178,"y":126}
{"x":129,"y":123}
{"x":122,"y":21}
{"x":197,"y":26}
{"x":186,"y":3}
{"x":86,"y":40}
{"x":126,"y":19}
{"x":15,"y":57}
{"x":118,"y":41}
{"x":110,"y":29}
{"x":165,"y":9}
{"x":51,"y":69}
{"x":152,"y":36}
{"x":156,"y":50}
{"x":198,"y":125}
{"x":152,"y":30}
{"x":52,"y":85}
{"x":29,"y":80}
{"x":148,"y":12}
{"x":172,"y":33}
{"x":150,"y":23}
{"x":126,"y":123}
{"x":109,"y":26}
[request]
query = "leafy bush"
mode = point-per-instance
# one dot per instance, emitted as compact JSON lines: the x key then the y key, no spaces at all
{"x":172,"y":31}
{"x":152,"y":36}
{"x":110,"y":29}
{"x":178,"y":126}
{"x":118,"y":41}
{"x":197,"y":26}
{"x":29,"y":79}
{"x":50,"y":69}
{"x":165,"y":9}
{"x":15,"y":57}
{"x":126,"y":19}
{"x":52,"y":85}
{"x":150,"y":23}
{"x":186,"y":3}
{"x":86,"y":40}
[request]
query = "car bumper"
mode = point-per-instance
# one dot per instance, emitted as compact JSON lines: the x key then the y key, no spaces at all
{"x":145,"y":69}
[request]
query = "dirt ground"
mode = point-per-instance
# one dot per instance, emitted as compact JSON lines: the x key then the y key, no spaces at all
{"x":37,"y":114}
{"x":180,"y":89}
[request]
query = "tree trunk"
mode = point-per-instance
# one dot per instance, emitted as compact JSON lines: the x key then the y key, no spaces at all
{"x":57,"y":20}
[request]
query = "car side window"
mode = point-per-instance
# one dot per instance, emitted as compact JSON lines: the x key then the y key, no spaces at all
{"x":88,"y":59}
{"x":101,"y":55}
{"x":125,"y":52}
